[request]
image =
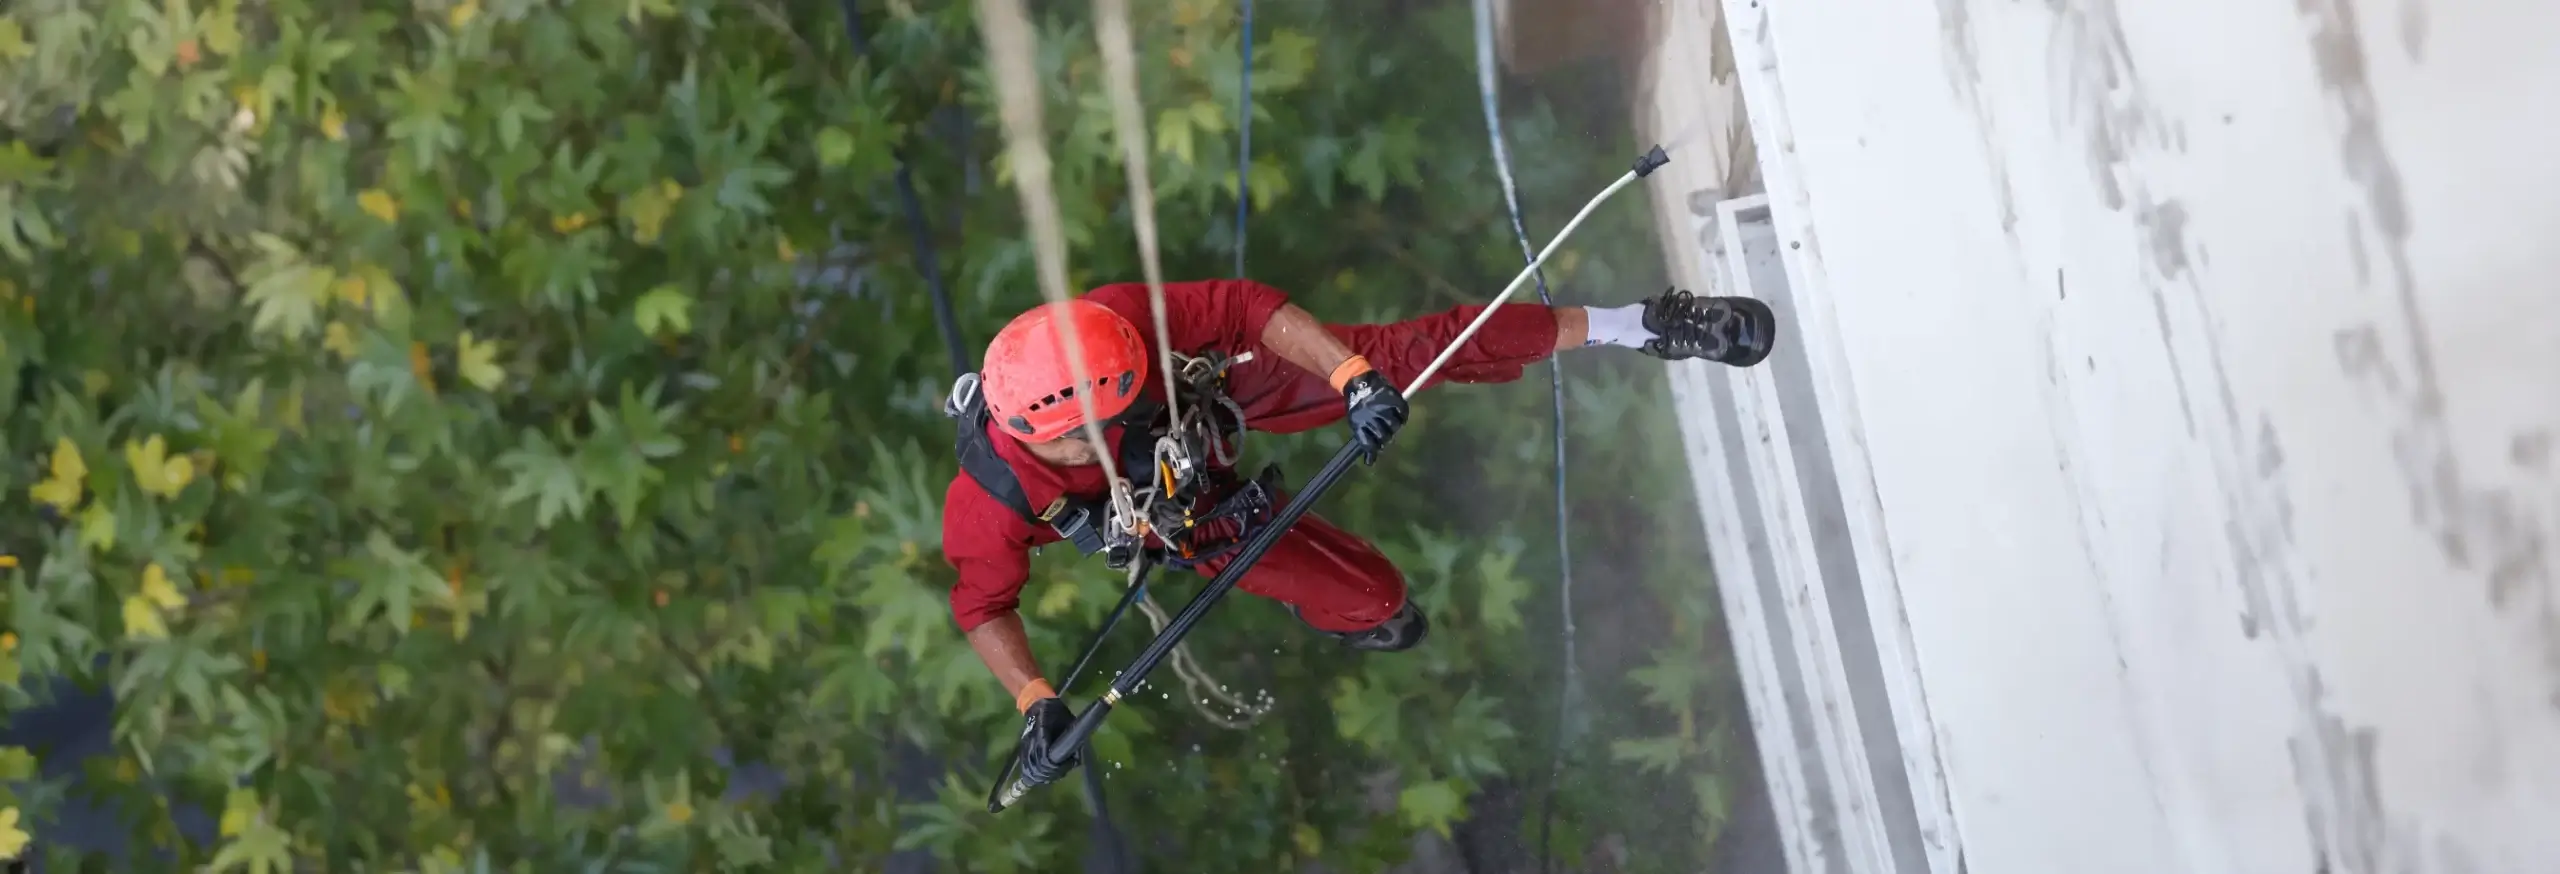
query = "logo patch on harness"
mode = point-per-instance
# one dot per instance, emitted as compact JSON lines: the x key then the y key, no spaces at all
{"x":1051,"y":514}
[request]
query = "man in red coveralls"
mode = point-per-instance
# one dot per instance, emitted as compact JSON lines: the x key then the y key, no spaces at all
{"x":1304,"y":374}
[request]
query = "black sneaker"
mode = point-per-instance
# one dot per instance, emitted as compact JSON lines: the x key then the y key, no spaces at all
{"x":1738,"y":331}
{"x":1400,"y":632}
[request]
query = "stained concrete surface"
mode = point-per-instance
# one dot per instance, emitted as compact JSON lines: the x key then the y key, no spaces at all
{"x":2197,"y":362}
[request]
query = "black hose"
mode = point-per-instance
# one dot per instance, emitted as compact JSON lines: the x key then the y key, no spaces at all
{"x":1564,"y":517}
{"x":944,"y":316}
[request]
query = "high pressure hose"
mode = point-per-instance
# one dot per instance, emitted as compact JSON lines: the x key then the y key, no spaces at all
{"x":1487,"y":90}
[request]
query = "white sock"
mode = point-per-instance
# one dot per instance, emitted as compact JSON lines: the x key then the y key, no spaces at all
{"x":1617,"y":326}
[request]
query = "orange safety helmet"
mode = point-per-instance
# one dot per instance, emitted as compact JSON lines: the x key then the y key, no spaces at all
{"x":1030,"y":387}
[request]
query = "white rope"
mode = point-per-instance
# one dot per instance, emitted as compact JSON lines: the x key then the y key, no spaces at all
{"x":1011,"y":47}
{"x":1128,"y":119}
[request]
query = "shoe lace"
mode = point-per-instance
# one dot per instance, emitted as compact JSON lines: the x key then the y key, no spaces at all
{"x":1688,"y":324}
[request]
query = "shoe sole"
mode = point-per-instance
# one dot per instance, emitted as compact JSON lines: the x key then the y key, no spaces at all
{"x":1760,"y":334}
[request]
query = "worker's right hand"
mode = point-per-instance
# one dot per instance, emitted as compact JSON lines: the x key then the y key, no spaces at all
{"x":1043,"y":723}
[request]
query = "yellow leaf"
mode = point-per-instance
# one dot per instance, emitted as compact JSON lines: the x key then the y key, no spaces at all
{"x":155,"y":471}
{"x":333,"y":124}
{"x":239,"y":811}
{"x":8,"y":561}
{"x":425,"y":799}
{"x":156,"y":586}
{"x":67,"y":463}
{"x":649,"y":208}
{"x":422,"y":367}
{"x":98,"y":528}
{"x":679,"y":812}
{"x":142,"y":620}
{"x":95,"y":382}
{"x":13,"y":840}
{"x":351,"y":288}
{"x":478,"y":362}
{"x":13,"y":41}
{"x":336,"y":339}
{"x":63,"y":488}
{"x":8,"y":641}
{"x":378,"y":203}
{"x":1310,"y":842}
{"x":462,"y":13}
{"x":782,"y":247}
{"x":569,"y":224}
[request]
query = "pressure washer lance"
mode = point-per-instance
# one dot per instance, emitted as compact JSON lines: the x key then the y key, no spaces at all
{"x":1129,"y":680}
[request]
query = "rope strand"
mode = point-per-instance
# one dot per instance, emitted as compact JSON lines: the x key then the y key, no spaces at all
{"x":1244,"y":137}
{"x":1488,"y":90}
{"x":1011,"y":46}
{"x":1128,"y":120}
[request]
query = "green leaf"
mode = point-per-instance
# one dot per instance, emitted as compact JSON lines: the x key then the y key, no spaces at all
{"x":835,"y":147}
{"x":1659,"y":755}
{"x":544,"y":476}
{"x":286,"y":292}
{"x":1173,"y":136}
{"x":393,"y":581}
{"x":261,"y":848}
{"x":1671,"y":682}
{"x":664,"y":308}
{"x":1500,"y":590}
{"x":1365,"y":714}
{"x":1434,"y":805}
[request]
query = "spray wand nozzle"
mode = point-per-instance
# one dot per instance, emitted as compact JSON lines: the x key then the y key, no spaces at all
{"x":1651,"y":161}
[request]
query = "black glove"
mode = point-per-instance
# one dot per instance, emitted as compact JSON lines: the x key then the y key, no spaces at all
{"x":1377,"y":410}
{"x":1042,"y":726}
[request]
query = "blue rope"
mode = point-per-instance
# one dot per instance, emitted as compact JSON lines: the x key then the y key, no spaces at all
{"x":1244,"y":139}
{"x":1485,"y":90}
{"x":945,"y":318}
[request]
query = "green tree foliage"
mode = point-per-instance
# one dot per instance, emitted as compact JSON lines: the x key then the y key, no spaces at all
{"x":462,"y":432}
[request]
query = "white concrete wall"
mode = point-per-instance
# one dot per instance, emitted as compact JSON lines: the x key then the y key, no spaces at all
{"x":2192,"y":369}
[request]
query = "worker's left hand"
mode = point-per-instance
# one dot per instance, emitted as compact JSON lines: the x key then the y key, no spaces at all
{"x":1377,"y":411}
{"x":1042,"y":725}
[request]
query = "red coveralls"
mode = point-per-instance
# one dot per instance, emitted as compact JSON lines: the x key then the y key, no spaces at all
{"x":1337,"y":581}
